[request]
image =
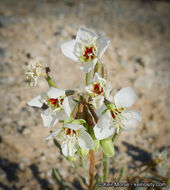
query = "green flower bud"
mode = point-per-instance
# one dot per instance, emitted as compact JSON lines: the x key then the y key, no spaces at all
{"x":107,"y":147}
{"x":82,"y":152}
{"x":72,"y":159}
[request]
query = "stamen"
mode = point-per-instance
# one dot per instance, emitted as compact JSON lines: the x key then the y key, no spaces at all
{"x":89,"y":53}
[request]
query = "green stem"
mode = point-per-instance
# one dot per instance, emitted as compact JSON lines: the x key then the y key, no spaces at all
{"x":87,"y":78}
{"x":115,"y":136}
{"x":50,"y":82}
{"x":105,"y":168}
{"x":121,"y":174}
{"x":97,"y":68}
{"x":82,"y":162}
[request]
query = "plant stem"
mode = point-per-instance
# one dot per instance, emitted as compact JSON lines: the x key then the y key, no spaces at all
{"x":91,"y":169}
{"x":50,"y":81}
{"x":105,"y":168}
{"x":115,"y":136}
{"x":82,"y":162}
{"x":97,"y":68}
{"x":87,"y":78}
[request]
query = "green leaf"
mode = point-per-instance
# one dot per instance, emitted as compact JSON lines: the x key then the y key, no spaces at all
{"x":107,"y":147}
{"x":78,"y":121}
{"x":57,"y":144}
{"x":59,"y":179}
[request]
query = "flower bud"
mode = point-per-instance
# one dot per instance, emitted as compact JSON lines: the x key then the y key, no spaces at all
{"x":72,"y":159}
{"x":107,"y":147}
{"x":82,"y":152}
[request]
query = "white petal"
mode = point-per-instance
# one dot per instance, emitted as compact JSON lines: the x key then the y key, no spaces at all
{"x":98,"y":101}
{"x":108,"y":90}
{"x":50,"y":119}
{"x":53,"y":134}
{"x":97,"y":78}
{"x":36,"y":102}
{"x":66,"y":148}
{"x":125,"y":97}
{"x":68,"y":49}
{"x":132,"y":118}
{"x":103,"y":44}
{"x":104,"y":128}
{"x":102,"y":133}
{"x":67,"y":107}
{"x":85,"y":34}
{"x":55,"y":92}
{"x":100,"y":110}
{"x":88,"y":66}
{"x":89,"y":88}
{"x":74,"y":126}
{"x":84,"y":139}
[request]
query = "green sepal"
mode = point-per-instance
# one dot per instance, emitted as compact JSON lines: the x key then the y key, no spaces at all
{"x":82,"y":152}
{"x":71,"y":159}
{"x":107,"y":147}
{"x":74,"y":121}
{"x":78,"y":121}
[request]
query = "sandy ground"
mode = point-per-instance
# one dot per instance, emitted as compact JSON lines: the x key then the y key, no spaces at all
{"x":138,"y":56}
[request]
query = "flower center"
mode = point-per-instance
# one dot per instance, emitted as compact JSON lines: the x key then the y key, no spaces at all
{"x":97,"y":89}
{"x":58,"y":102}
{"x":114,"y":113}
{"x":70,"y":132}
{"x":89,"y":53}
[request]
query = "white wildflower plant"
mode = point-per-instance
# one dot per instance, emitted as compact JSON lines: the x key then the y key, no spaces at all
{"x":86,"y":49}
{"x":93,"y":120}
{"x":34,"y":72}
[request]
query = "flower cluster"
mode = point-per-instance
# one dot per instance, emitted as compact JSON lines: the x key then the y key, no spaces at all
{"x":79,"y":131}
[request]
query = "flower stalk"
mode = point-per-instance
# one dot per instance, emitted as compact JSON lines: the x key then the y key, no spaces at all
{"x":91,"y":169}
{"x":105,"y":168}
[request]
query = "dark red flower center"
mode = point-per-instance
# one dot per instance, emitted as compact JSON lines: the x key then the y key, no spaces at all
{"x":97,"y":89}
{"x":89,"y":53}
{"x":68,"y":131}
{"x":55,"y":102}
{"x":114,"y":113}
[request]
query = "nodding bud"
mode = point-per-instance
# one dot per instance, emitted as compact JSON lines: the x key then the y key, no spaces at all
{"x":104,"y":71}
{"x":88,"y":117}
{"x":79,"y":114}
{"x":69,"y":92}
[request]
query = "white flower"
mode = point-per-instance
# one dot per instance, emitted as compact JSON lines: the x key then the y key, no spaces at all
{"x":56,"y":102}
{"x":86,"y":49}
{"x":34,"y":71}
{"x":116,"y":116}
{"x":98,"y":90}
{"x":72,"y":137}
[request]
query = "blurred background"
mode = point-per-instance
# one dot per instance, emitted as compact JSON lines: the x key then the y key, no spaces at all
{"x":138,"y":56}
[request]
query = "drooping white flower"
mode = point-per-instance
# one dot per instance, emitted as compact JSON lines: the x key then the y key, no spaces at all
{"x":86,"y":49}
{"x":33,"y":73}
{"x":116,"y":116}
{"x":98,"y":89}
{"x":56,"y":103}
{"x":72,"y":136}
